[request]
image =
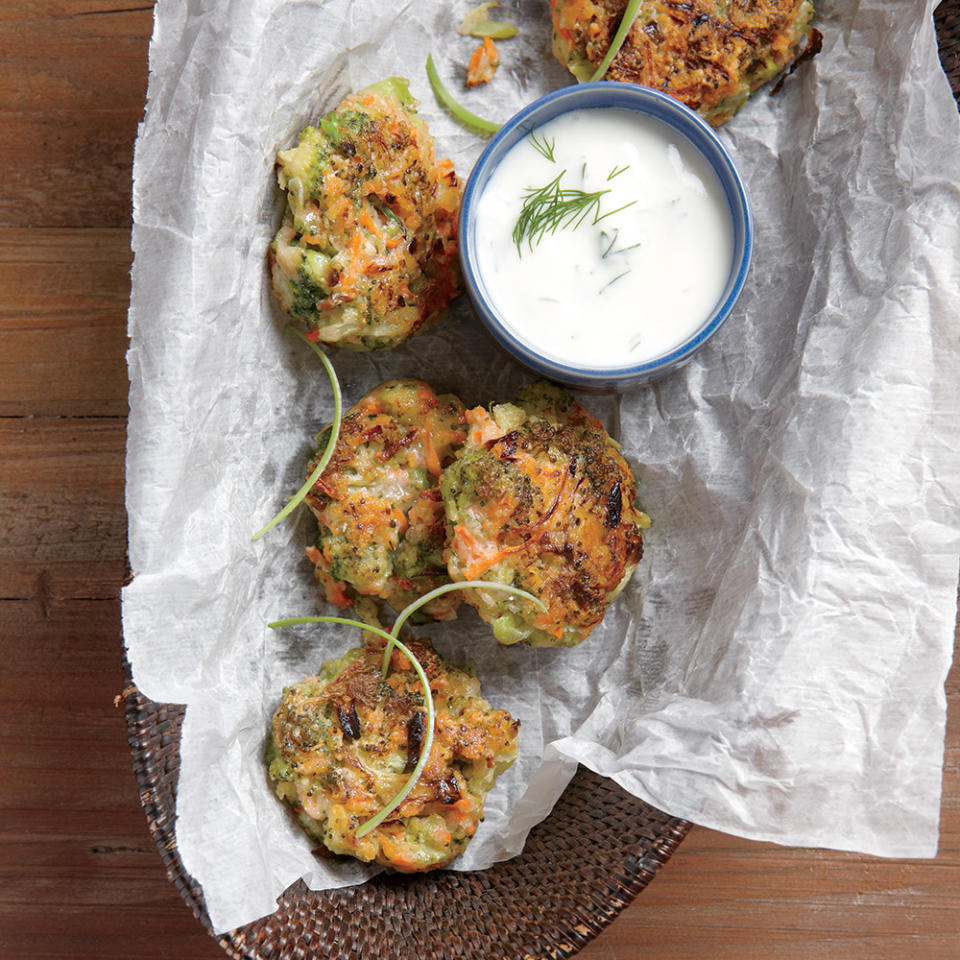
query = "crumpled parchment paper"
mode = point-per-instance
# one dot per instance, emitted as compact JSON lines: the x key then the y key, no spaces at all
{"x":776,"y":668}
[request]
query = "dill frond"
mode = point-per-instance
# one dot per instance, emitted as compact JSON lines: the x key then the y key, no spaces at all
{"x":544,"y":147}
{"x":546,"y":209}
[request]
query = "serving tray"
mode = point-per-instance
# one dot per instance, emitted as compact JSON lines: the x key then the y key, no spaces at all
{"x":580,"y":867}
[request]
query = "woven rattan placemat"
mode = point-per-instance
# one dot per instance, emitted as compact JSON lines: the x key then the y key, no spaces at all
{"x":597,"y":850}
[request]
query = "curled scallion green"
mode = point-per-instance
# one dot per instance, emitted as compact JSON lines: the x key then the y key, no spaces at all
{"x":425,"y":747}
{"x":412,"y":608}
{"x":331,"y":441}
{"x":393,"y":642}
{"x":460,"y":112}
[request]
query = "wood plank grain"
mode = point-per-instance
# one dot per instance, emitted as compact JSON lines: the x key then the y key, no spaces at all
{"x":73,"y":79}
{"x":63,"y":322}
{"x":80,"y":877}
{"x":61,"y":508}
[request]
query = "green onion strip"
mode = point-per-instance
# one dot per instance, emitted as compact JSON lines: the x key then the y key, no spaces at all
{"x":629,"y":15}
{"x":331,"y":442}
{"x":392,"y":642}
{"x":427,"y":744}
{"x":412,"y":608}
{"x":446,"y":98}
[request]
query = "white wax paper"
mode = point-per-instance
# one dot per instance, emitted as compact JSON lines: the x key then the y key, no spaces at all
{"x":776,"y":667}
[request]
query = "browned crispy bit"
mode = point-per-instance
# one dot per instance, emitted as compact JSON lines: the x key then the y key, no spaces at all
{"x":415,"y":727}
{"x":396,"y":443}
{"x":349,"y":721}
{"x":614,"y":505}
{"x":813,"y":47}
{"x":448,"y":791}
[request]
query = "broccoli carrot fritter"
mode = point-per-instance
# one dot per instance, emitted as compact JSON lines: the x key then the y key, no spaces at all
{"x":540,"y":498}
{"x":709,"y":54}
{"x":381,"y":525}
{"x":367,"y":252}
{"x":344,"y":742}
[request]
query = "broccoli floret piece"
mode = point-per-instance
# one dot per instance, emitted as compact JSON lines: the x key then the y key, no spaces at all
{"x":306,"y":162}
{"x":337,"y":126}
{"x":306,"y":293}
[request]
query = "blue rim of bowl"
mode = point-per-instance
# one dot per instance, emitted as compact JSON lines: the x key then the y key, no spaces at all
{"x":667,"y":110}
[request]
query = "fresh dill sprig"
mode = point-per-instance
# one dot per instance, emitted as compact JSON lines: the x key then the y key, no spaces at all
{"x":546,"y":209}
{"x":551,"y":207}
{"x":544,"y":147}
{"x":611,"y":241}
{"x":616,"y":171}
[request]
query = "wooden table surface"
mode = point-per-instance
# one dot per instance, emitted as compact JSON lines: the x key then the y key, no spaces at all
{"x":79,"y":875}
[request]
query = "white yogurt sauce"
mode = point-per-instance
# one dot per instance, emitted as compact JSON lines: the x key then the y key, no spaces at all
{"x":626,"y":289}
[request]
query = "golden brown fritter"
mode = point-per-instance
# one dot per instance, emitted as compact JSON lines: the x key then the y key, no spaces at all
{"x":540,"y":498}
{"x":367,"y":252}
{"x":381,"y":521}
{"x":709,"y":54}
{"x":344,"y":742}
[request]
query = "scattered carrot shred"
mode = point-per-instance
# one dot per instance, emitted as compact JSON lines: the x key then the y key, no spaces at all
{"x":483,"y":63}
{"x":546,"y":622}
{"x":332,"y":185}
{"x":334,"y":590}
{"x":369,"y":405}
{"x":375,"y":186}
